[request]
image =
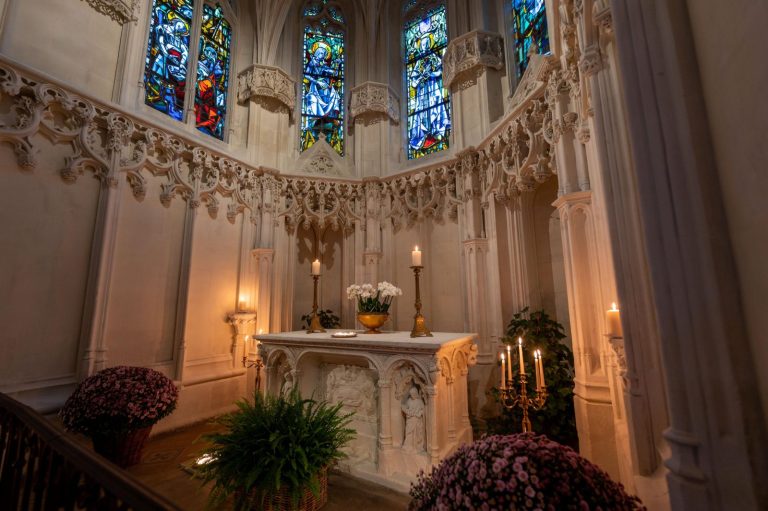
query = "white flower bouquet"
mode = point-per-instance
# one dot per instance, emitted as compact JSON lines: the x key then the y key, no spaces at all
{"x":373,"y":299}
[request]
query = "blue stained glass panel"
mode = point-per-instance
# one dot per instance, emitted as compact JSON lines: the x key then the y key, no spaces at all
{"x":213,"y":72}
{"x":165,"y":68}
{"x":322,"y":112}
{"x":428,"y":102}
{"x":530,"y":21}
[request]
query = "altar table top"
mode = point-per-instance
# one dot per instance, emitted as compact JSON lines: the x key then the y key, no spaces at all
{"x":400,"y":342}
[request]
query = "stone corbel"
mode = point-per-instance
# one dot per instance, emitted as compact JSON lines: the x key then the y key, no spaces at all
{"x":470,"y":54}
{"x":242,"y":322}
{"x":121,"y":11}
{"x":374,"y":101}
{"x":267,"y":83}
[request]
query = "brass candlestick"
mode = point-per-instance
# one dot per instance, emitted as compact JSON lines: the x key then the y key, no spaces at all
{"x":510,"y":399}
{"x":419,"y":325}
{"x":314,"y":324}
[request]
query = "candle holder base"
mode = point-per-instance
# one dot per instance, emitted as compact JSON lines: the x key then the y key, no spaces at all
{"x":420,"y":327}
{"x":314,"y":325}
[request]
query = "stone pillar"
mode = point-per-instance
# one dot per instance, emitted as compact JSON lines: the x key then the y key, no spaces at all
{"x":374,"y":108}
{"x":385,"y":406}
{"x":594,"y":406}
{"x":472,"y":64}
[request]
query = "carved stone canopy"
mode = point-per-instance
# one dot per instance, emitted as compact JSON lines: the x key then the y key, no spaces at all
{"x":121,"y":11}
{"x":470,"y":54}
{"x":321,"y":159}
{"x":259,"y":81}
{"x":372,"y":100}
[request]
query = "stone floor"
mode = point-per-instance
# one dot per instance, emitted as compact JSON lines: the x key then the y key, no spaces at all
{"x":164,"y":454}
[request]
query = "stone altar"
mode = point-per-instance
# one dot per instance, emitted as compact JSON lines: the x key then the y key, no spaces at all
{"x":408,"y":396}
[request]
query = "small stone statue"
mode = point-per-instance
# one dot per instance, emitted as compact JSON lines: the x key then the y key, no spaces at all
{"x":287,"y":383}
{"x":414,"y":422}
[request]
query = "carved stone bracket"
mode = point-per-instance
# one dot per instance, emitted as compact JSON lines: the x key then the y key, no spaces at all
{"x":470,"y":54}
{"x":534,"y":79}
{"x":371,"y":100}
{"x":260,"y":82}
{"x":121,"y":11}
{"x":242,"y":322}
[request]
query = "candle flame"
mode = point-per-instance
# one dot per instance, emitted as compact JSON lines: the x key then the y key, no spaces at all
{"x":520,"y":341}
{"x":261,"y":331}
{"x":317,"y":260}
{"x":613,"y":306}
{"x":502,"y":357}
{"x":416,"y":248}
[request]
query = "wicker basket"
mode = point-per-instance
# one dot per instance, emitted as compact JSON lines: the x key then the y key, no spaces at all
{"x":281,"y":501}
{"x":122,"y":449}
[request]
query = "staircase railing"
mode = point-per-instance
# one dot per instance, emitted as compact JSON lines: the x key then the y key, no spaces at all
{"x":41,"y":468}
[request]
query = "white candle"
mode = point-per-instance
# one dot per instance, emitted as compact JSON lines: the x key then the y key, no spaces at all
{"x":503,"y":372}
{"x":536,"y":366}
{"x":520,"y":352}
{"x":242,"y":302}
{"x":541,"y":370}
{"x":316,"y":267}
{"x":245,"y":345}
{"x":509,"y":366}
{"x":613,"y":321}
{"x":416,"y":256}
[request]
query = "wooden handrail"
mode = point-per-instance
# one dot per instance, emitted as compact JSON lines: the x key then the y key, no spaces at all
{"x":41,"y":468}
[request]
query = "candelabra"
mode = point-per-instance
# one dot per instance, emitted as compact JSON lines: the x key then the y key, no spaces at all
{"x":510,"y":398}
{"x":314,"y":324}
{"x":258,"y":364}
{"x":419,"y":324}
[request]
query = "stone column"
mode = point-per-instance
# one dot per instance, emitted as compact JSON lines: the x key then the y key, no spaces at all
{"x":385,"y":408}
{"x":374,"y":108}
{"x":472,"y":64}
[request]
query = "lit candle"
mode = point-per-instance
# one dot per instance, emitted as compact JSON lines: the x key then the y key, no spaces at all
{"x":520,"y":352}
{"x":316,"y":267}
{"x":536,"y":366}
{"x":416,"y":256}
{"x":245,"y":345}
{"x":242,"y":302}
{"x":541,"y":370}
{"x":613,"y":321}
{"x":509,"y":366}
{"x":503,"y":372}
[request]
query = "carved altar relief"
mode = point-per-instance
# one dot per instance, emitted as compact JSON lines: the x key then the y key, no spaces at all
{"x":354,"y":387}
{"x":415,"y":413}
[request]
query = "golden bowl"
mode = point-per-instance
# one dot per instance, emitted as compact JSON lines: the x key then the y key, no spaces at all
{"x":372,"y":321}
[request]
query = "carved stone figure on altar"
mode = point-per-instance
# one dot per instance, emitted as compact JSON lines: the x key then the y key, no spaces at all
{"x":413,"y":409}
{"x":287,"y":383}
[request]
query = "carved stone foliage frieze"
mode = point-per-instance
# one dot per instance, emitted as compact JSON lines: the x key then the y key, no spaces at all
{"x":371,"y":101}
{"x":267,"y":83}
{"x":111,"y":146}
{"x":121,"y":11}
{"x":314,"y":203}
{"x":470,"y":54}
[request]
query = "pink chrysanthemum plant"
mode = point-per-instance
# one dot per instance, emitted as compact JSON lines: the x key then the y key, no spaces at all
{"x":522,"y":471}
{"x":119,"y":399}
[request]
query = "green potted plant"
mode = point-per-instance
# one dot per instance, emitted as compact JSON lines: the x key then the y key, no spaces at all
{"x":275,"y":453}
{"x":557,"y":419}
{"x":117,"y":408}
{"x":327,"y":319}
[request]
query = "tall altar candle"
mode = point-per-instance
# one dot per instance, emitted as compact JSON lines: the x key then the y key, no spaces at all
{"x":536,"y":367}
{"x":416,"y":256}
{"x":520,"y":352}
{"x":503,"y":372}
{"x":242,"y":302}
{"x":316,"y":267}
{"x":509,"y":366}
{"x":613,"y":321}
{"x":541,"y":370}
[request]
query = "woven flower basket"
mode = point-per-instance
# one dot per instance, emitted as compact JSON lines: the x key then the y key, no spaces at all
{"x":123,"y":449}
{"x":281,"y":501}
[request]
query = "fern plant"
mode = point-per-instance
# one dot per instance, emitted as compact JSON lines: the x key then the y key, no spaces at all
{"x":557,"y":419}
{"x":274,"y":442}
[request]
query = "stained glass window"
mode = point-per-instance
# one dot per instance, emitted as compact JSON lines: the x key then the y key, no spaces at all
{"x":165,"y":70}
{"x":530,"y":20}
{"x":429,"y":120}
{"x":322,"y":107}
{"x":212,"y":72}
